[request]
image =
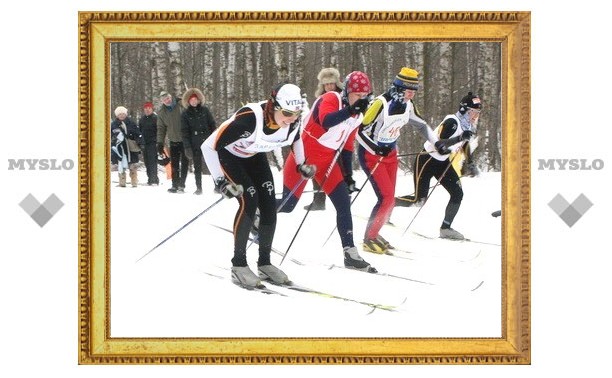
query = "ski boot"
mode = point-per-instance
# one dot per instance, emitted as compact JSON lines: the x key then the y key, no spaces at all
{"x":244,"y":276}
{"x":272,"y":273}
{"x":352,"y":260}
{"x":449,"y":233}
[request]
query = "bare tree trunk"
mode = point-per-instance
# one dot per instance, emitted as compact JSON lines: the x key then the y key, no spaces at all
{"x":161,"y":67}
{"x":490,"y":72}
{"x":176,"y":68}
{"x":233,"y":73}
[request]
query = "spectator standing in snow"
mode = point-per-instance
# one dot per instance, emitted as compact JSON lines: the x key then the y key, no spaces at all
{"x":236,"y":157}
{"x":148,"y":127}
{"x":197,"y":123}
{"x":125,"y":139}
{"x":455,"y":133}
{"x":329,"y":135}
{"x":169,"y":125}
{"x":377,"y":151}
{"x":329,"y":80}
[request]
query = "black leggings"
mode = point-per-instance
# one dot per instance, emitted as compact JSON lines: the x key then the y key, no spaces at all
{"x":255,"y":176}
{"x":426,"y":167}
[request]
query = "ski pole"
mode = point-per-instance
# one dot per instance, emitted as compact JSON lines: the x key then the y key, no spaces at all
{"x":356,"y":195}
{"x":450,"y":164}
{"x":327,"y":173}
{"x":182,"y":227}
{"x":280,"y":206}
{"x":414,"y":154}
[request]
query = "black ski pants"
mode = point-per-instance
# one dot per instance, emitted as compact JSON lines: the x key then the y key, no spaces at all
{"x":426,"y":167}
{"x":255,"y":176}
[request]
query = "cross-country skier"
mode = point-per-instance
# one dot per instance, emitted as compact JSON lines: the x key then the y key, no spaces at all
{"x":377,"y":152}
{"x":329,"y":135}
{"x":455,"y":131}
{"x":235,"y":154}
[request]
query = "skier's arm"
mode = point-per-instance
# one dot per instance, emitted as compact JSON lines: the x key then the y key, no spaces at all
{"x":226,"y":134}
{"x":298,"y":150}
{"x":368,"y":123}
{"x":329,"y":115}
{"x":423,"y":128}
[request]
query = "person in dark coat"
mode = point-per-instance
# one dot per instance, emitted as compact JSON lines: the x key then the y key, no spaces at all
{"x":125,"y":140}
{"x":148,"y":127}
{"x":197,"y":123}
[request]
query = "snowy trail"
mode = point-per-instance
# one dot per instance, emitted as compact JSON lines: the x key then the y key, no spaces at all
{"x":436,"y":288}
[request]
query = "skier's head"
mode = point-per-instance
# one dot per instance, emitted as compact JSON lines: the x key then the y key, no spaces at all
{"x":405,"y":84}
{"x":471,"y":106}
{"x":356,"y":85}
{"x":329,"y":80}
{"x":286,"y":104}
{"x":121,"y":112}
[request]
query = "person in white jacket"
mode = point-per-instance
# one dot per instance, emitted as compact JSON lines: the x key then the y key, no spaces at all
{"x":235,"y":154}
{"x":455,"y":133}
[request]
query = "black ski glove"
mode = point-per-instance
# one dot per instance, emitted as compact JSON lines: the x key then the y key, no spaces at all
{"x":160,"y":148}
{"x":442,"y":147}
{"x":358,"y":106}
{"x":383,"y":150}
{"x":350,"y":183}
{"x":228,"y":189}
{"x":467,"y":134}
{"x":307,"y":170}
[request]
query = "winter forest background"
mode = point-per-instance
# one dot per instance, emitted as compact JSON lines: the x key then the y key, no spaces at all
{"x":231,"y":74}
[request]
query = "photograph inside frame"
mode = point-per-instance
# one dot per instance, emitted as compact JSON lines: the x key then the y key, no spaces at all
{"x":255,"y":190}
{"x":421,"y":217}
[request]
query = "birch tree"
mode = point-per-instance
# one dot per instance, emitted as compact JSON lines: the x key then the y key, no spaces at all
{"x":233,"y":73}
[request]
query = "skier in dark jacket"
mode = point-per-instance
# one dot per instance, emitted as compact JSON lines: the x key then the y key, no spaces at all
{"x":148,"y":127}
{"x":197,"y":123}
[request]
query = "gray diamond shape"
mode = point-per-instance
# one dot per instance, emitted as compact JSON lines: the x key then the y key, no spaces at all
{"x":558,"y":204}
{"x":29,"y":204}
{"x":41,"y":216}
{"x":53,"y":204}
{"x":582,"y":204}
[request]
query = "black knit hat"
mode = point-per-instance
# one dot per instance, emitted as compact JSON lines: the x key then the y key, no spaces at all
{"x":471,"y":101}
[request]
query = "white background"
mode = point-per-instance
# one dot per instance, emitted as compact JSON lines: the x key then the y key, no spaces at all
{"x":570,"y":266}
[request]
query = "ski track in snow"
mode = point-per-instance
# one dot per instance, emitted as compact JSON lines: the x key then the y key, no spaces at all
{"x":436,"y":287}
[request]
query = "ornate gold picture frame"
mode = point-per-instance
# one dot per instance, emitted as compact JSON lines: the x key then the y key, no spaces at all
{"x":97,"y":30}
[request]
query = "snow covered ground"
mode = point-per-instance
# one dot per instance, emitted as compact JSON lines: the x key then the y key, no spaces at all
{"x":434,"y":287}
